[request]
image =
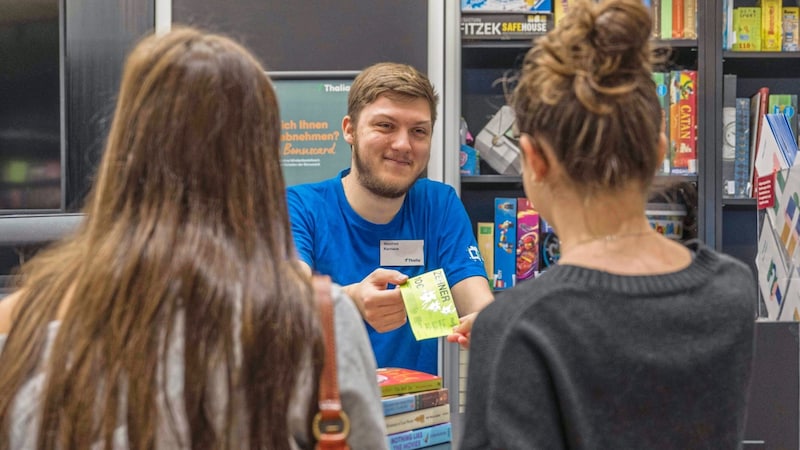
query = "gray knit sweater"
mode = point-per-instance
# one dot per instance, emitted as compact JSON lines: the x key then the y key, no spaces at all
{"x":584,"y":359}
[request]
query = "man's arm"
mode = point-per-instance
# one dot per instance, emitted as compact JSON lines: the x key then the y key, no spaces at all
{"x":471,"y":295}
{"x":381,"y":307}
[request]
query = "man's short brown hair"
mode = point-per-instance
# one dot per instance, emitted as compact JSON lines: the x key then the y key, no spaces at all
{"x":396,"y":81}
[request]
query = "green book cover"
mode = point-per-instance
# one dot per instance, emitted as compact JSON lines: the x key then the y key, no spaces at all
{"x":486,"y":247}
{"x":785,"y":104}
{"x":747,"y":27}
{"x":429,"y":305}
{"x":666,"y":19}
{"x":661,"y":79}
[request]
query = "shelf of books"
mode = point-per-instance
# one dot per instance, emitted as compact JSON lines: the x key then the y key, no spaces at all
{"x":766,"y":26}
{"x":416,"y":409}
{"x":760,"y":66}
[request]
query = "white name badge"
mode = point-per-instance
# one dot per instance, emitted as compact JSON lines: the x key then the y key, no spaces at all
{"x":402,"y":253}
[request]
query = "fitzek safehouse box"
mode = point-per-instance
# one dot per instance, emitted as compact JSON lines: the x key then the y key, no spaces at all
{"x":505,"y":26}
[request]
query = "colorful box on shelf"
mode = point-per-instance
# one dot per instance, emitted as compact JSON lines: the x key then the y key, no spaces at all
{"x":504,"y":26}
{"x":497,"y":145}
{"x":667,"y":219}
{"x":506,"y":6}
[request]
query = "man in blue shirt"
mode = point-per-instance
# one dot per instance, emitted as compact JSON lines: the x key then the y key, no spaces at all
{"x":378,"y":223}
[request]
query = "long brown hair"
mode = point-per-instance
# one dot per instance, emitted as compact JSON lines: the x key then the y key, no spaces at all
{"x":186,"y":224}
{"x":586,"y":88}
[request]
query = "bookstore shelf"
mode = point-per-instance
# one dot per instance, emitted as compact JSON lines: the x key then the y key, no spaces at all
{"x":491,"y":179}
{"x":30,"y":184}
{"x":518,"y":44}
{"x":760,"y":55}
{"x":744,"y":202}
{"x":676,"y":43}
{"x":525,"y":43}
{"x":481,"y":180}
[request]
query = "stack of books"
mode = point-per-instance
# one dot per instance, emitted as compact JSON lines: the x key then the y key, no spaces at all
{"x":416,"y":409}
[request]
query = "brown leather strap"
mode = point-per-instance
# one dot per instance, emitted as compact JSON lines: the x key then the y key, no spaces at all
{"x":331,"y":425}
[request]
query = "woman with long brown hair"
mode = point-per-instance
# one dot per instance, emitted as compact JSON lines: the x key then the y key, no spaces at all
{"x":178,"y":316}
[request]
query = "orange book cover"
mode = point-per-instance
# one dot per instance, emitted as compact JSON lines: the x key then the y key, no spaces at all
{"x":677,"y":19}
{"x":396,"y":380}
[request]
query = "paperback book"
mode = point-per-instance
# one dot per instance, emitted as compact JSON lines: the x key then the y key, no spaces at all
{"x":747,"y":29}
{"x":398,"y":404}
{"x":396,"y":380}
{"x":417,"y":419}
{"x":728,"y":135}
{"x":741,"y":167}
{"x":421,"y":437}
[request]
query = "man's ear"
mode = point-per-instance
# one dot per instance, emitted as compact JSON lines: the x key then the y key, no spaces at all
{"x":348,"y":129}
{"x":534,"y":158}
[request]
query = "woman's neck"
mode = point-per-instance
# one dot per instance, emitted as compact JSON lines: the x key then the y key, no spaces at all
{"x":611,"y":232}
{"x":609,"y":216}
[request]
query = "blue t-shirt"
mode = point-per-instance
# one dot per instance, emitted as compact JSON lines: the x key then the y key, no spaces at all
{"x":334,"y":240}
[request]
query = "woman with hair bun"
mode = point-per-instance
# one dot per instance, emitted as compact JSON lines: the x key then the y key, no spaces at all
{"x":632,"y":341}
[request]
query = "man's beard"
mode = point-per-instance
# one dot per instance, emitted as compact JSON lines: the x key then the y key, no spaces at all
{"x":368,"y":179}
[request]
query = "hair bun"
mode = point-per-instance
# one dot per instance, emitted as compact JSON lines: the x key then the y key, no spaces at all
{"x":622,"y":29}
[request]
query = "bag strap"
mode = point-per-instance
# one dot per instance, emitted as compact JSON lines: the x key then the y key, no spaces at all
{"x":331,"y":424}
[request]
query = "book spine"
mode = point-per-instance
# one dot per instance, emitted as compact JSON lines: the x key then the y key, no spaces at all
{"x":727,"y":24}
{"x":655,"y":9}
{"x":414,"y":402}
{"x":741,"y":168}
{"x":666,"y":19}
{"x":728,"y":134}
{"x":486,"y":247}
{"x":771,"y":25}
{"x":690,"y":19}
{"x":417,"y":419}
{"x":420,"y":438}
{"x":684,"y":110}
{"x":661,"y":80}
{"x":677,"y":19}
{"x":505,"y":238}
{"x":790,"y":29}
{"x":758,"y":107}
{"x":411,"y":387}
{"x":748,"y":29}
{"x":560,"y":8}
{"x":674,"y":95}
